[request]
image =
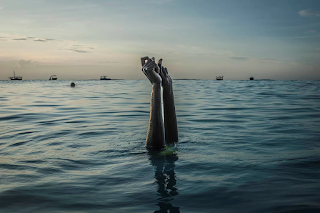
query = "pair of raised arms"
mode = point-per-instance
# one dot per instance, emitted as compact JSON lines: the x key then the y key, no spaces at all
{"x":161,"y":130}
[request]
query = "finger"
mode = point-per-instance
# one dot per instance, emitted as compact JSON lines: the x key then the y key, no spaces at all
{"x":162,"y":74}
{"x":144,"y":71}
{"x":143,"y":60}
{"x":165,"y":70}
{"x":151,"y":66}
{"x":157,"y":69}
{"x":149,"y":61}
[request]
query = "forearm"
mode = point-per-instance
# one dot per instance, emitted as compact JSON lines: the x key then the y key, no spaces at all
{"x":155,"y":135}
{"x":170,"y":119}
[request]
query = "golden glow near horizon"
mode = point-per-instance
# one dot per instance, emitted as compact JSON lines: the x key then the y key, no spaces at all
{"x":203,"y":39}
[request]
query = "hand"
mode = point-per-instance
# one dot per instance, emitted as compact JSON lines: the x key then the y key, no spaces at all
{"x":143,"y":60}
{"x":151,"y":69}
{"x":166,"y":79}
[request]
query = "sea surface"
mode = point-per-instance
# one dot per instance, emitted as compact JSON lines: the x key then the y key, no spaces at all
{"x":244,"y":146}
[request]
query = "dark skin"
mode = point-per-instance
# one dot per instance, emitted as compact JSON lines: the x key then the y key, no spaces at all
{"x":159,"y":132}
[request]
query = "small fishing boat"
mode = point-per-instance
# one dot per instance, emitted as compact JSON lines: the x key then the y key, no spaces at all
{"x":219,"y":78}
{"x":53,"y":77}
{"x":104,"y":78}
{"x":15,"y":77}
{"x":251,"y":78}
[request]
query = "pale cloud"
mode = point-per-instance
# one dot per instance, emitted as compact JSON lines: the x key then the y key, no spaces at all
{"x":75,"y":47}
{"x":41,"y":40}
{"x":61,"y":44}
{"x":311,"y":31}
{"x":21,"y":65}
{"x":303,"y":37}
{"x":79,"y":51}
{"x":260,"y":60}
{"x":268,"y":60}
{"x":25,"y":63}
{"x":19,"y":39}
{"x":27,"y":38}
{"x":309,"y":13}
{"x":163,"y":1}
{"x":239,"y":58}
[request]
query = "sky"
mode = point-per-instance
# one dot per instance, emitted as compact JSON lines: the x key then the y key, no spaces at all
{"x":197,"y":39}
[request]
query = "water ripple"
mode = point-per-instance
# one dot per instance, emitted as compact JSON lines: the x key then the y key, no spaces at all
{"x":244,"y":146}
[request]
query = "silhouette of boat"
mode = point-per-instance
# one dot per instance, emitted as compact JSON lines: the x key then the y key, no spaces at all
{"x":219,"y":78}
{"x":53,"y":77}
{"x":15,"y":77}
{"x":251,"y":78}
{"x":104,"y":78}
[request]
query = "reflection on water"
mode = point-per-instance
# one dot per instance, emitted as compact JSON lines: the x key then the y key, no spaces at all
{"x":166,"y":180}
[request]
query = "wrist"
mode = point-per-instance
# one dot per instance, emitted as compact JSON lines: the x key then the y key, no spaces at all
{"x":166,"y":85}
{"x":156,"y":84}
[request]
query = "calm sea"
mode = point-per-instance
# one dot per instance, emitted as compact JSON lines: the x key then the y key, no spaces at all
{"x":244,"y":146}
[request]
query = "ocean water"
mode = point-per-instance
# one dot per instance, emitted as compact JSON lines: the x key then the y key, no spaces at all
{"x":244,"y":146}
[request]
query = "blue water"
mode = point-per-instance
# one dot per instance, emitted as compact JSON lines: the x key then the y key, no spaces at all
{"x":244,"y":146}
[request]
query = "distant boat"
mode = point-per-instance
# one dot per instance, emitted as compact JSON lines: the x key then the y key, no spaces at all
{"x":15,"y":77}
{"x":251,"y":78}
{"x":53,"y":77}
{"x":104,"y":78}
{"x":219,"y":78}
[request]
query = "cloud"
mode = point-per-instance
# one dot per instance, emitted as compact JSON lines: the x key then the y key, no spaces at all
{"x":75,"y":47}
{"x":19,"y":39}
{"x":313,"y":51}
{"x":61,"y":44}
{"x":108,"y":62}
{"x":302,"y":37}
{"x":268,"y":60}
{"x":240,"y":58}
{"x":30,"y":37}
{"x":24,"y":63}
{"x":309,"y":13}
{"x":41,"y":40}
{"x":79,"y":51}
{"x":162,"y":1}
{"x":311,"y":31}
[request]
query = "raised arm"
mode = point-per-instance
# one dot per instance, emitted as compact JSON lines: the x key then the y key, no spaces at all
{"x":170,"y":119}
{"x":155,"y":136}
